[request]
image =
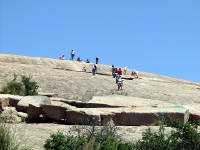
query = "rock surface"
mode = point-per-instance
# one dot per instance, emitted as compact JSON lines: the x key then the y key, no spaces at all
{"x":66,"y":79}
{"x":62,"y":78}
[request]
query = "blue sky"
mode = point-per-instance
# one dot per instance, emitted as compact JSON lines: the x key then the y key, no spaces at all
{"x":156,"y":36}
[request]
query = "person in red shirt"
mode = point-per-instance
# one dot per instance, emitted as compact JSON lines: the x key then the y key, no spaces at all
{"x":119,"y":71}
{"x":97,"y":60}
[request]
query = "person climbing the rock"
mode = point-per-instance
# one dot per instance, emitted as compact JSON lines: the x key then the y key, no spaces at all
{"x":119,"y":82}
{"x":72,"y":54}
{"x":97,"y":60}
{"x":119,"y":71}
{"x":134,"y":73}
{"x":94,"y":69}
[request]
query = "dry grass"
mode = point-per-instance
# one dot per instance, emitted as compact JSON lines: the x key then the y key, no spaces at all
{"x":9,"y":139}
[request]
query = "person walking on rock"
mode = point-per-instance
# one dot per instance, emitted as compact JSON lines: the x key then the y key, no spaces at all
{"x":94,"y":69}
{"x":72,"y":54}
{"x":119,"y":82}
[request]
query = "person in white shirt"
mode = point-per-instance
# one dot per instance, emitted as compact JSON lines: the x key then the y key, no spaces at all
{"x":72,"y":54}
{"x":125,"y":70}
{"x":119,"y":82}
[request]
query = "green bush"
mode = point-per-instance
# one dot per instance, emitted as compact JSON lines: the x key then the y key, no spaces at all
{"x":14,"y":88}
{"x":184,"y":137}
{"x":92,"y":138}
{"x":29,"y":86}
{"x":59,"y":141}
{"x":9,"y":140}
{"x":23,"y":88}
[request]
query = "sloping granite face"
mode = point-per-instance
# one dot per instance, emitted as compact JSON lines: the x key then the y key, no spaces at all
{"x":64,"y":77}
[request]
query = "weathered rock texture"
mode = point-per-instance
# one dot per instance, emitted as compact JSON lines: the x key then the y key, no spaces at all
{"x":64,"y":77}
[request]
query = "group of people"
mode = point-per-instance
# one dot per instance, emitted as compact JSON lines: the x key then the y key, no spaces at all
{"x":117,"y":72}
{"x":78,"y":58}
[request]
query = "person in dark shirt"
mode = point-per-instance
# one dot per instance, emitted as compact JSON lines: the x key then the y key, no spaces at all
{"x":97,"y":60}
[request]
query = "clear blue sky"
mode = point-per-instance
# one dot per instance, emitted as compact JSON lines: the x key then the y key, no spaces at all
{"x":156,"y":36}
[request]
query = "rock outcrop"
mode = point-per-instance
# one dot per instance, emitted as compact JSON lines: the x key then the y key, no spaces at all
{"x":66,"y":79}
{"x":146,"y":97}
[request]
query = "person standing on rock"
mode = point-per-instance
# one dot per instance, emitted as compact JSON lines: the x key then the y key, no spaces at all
{"x":97,"y":60}
{"x":114,"y":71}
{"x":125,"y":70}
{"x":72,"y":54}
{"x":94,"y":69}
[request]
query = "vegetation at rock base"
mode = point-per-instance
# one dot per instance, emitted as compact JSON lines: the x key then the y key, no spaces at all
{"x":9,"y":140}
{"x":184,"y":137}
{"x":23,"y":88}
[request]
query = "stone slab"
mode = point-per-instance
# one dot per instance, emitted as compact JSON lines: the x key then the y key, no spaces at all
{"x":36,"y":101}
{"x":56,"y":110}
{"x":126,"y":116}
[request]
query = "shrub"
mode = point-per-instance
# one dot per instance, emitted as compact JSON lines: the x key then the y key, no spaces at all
{"x":13,"y":87}
{"x":30,"y":86}
{"x":185,"y":137}
{"x":59,"y":141}
{"x":9,"y":140}
{"x":23,"y":88}
{"x":88,"y":138}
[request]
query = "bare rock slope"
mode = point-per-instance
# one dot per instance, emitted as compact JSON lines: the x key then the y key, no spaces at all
{"x":66,"y":79}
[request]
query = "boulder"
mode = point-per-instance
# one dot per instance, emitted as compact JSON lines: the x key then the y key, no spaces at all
{"x":83,"y":116}
{"x":56,"y":110}
{"x":126,"y":116}
{"x":36,"y":101}
{"x":33,"y":112}
{"x":13,"y":100}
{"x":23,"y":116}
{"x":194,"y":111}
{"x":4,"y":102}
